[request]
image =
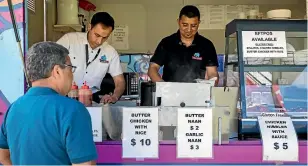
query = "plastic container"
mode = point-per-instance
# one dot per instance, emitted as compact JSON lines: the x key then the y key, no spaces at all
{"x":67,"y":12}
{"x":242,"y":15}
{"x":253,"y":14}
{"x":74,"y":92}
{"x":279,"y":14}
{"x":85,"y":95}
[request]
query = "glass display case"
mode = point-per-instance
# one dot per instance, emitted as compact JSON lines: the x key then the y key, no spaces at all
{"x":269,"y":60}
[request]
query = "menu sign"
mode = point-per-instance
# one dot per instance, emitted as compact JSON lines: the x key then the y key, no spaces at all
{"x":264,"y":44}
{"x":140,"y":132}
{"x":96,"y":114}
{"x":194,"y":133}
{"x":279,"y":137}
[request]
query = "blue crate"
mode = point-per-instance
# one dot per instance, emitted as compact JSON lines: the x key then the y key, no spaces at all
{"x":221,"y":61}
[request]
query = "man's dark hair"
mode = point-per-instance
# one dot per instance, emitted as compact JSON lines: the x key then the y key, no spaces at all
{"x":102,"y":18}
{"x":190,"y":11}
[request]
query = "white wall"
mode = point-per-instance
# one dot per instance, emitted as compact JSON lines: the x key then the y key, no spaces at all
{"x":151,"y":20}
{"x":132,"y":15}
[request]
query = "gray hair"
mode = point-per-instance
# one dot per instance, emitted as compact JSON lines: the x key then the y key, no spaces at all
{"x":42,"y":57}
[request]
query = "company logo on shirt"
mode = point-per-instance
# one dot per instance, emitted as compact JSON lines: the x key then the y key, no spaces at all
{"x":103,"y":59}
{"x":197,"y":56}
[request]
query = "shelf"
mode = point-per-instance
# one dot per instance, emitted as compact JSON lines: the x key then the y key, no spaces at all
{"x":67,"y":28}
{"x":265,"y":73}
{"x":272,"y":68}
{"x":265,"y":25}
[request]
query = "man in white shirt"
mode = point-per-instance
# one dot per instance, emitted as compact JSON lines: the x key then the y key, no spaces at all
{"x":94,"y":57}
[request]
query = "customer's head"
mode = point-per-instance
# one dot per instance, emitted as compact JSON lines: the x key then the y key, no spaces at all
{"x":49,"y":65}
{"x":102,"y":24}
{"x":189,"y":19}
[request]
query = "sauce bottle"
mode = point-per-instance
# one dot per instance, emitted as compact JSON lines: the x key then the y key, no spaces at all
{"x":85,"y":95}
{"x":74,"y":92}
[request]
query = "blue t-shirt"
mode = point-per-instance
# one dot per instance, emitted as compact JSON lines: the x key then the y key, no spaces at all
{"x":45,"y":128}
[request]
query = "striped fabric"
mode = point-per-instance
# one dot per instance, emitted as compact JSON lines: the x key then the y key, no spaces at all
{"x":31,"y":5}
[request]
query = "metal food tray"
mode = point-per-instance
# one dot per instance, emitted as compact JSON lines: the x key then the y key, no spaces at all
{"x":112,"y":121}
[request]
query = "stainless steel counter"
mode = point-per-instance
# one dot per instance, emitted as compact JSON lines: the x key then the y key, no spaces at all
{"x":112,"y":121}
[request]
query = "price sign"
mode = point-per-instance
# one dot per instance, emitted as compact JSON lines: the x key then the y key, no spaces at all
{"x":140,"y":132}
{"x":96,"y":114}
{"x":194,"y":133}
{"x":279,"y":137}
{"x":143,"y":142}
{"x":264,"y":44}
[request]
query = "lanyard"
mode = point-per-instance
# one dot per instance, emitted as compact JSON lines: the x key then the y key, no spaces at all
{"x":87,"y":55}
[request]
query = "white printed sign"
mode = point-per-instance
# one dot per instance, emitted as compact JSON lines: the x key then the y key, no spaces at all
{"x":279,"y":137}
{"x":194,"y":133}
{"x":119,"y":38}
{"x":264,"y":44}
{"x":97,"y":124}
{"x":140,"y":132}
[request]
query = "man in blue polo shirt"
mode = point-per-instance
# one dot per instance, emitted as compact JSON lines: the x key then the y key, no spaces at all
{"x":44,"y":127}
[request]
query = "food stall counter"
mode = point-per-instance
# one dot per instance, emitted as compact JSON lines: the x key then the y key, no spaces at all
{"x":236,"y":152}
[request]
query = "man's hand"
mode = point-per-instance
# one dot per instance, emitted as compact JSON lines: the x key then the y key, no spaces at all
{"x":153,"y":73}
{"x":211,"y":72}
{"x":86,"y":163}
{"x":5,"y":157}
{"x":109,"y":99}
